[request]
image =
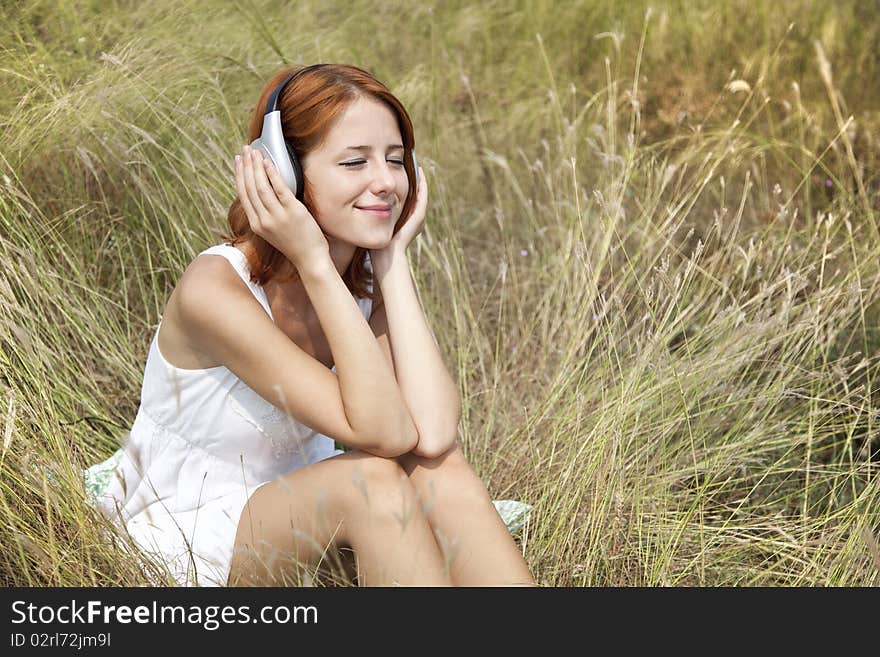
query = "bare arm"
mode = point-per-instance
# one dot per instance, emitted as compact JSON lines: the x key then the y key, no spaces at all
{"x":360,"y":407}
{"x":429,"y":390}
{"x":372,"y":399}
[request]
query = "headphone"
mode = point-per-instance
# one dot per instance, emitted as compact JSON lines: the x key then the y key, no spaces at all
{"x":273,"y":145}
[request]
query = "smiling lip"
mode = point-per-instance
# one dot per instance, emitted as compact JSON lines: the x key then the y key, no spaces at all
{"x":378,"y":210}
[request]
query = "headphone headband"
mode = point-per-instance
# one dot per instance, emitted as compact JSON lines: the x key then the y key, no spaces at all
{"x":272,"y":103}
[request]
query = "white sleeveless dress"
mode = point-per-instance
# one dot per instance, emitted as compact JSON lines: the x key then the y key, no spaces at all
{"x":201,"y":444}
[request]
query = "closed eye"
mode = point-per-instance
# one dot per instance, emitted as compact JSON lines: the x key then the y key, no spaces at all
{"x":359,"y":162}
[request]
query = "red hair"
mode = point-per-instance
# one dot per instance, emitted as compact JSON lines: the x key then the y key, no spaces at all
{"x":309,"y":106}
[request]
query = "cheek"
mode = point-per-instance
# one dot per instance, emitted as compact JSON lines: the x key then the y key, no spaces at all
{"x":403,"y":189}
{"x":325,"y":198}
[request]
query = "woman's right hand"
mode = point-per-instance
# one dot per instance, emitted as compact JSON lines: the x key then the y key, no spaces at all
{"x":274,"y":213}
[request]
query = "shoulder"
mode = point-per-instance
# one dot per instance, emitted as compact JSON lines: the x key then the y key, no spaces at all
{"x":207,"y":277}
{"x":208,"y":285}
{"x":211,"y":291}
{"x":207,"y":265}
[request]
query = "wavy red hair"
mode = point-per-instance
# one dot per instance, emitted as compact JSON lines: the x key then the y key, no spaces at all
{"x":310,"y":105}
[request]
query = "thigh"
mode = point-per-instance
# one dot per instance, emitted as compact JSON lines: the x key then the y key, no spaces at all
{"x":298,"y":520}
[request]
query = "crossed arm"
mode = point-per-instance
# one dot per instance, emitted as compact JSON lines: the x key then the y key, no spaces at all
{"x":402,"y":331}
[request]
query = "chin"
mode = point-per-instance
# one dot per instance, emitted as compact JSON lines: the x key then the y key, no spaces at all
{"x":374,"y":244}
{"x":376,"y":241}
{"x":365,"y":239}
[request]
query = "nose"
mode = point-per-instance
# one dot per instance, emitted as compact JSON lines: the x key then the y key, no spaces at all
{"x":383,"y":179}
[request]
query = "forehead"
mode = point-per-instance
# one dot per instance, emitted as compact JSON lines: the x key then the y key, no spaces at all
{"x":364,"y":121}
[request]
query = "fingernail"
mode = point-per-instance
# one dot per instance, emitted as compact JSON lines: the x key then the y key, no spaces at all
{"x":237,"y":159}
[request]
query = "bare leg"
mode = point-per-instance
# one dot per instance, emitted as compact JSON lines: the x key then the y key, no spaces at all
{"x":355,"y":499}
{"x":475,"y":541}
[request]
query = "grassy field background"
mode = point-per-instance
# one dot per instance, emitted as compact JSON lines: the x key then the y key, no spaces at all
{"x":651,"y":260}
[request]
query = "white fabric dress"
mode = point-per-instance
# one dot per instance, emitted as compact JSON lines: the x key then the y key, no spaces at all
{"x":201,"y":444}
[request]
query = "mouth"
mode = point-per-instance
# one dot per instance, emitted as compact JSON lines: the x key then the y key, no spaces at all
{"x":381,"y":211}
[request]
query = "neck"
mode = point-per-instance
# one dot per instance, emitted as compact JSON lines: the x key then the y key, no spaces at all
{"x":341,"y":253}
{"x":292,"y":295}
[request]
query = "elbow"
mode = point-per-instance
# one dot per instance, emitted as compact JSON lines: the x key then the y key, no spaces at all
{"x":409,"y":438}
{"x":432,"y":450}
{"x":434,"y":443}
{"x":397,"y":443}
{"x":432,"y":446}
{"x":393,"y":449}
{"x":399,"y":447}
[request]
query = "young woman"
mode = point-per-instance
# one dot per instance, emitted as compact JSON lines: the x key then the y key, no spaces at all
{"x":304,"y":327}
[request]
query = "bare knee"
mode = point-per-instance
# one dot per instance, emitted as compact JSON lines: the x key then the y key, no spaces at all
{"x":373,"y":481}
{"x":447,"y":479}
{"x":379,"y":491}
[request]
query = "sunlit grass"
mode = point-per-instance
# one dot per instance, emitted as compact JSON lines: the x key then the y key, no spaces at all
{"x":651,"y":260}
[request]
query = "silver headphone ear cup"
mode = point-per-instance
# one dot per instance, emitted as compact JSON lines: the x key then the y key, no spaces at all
{"x":272,"y":143}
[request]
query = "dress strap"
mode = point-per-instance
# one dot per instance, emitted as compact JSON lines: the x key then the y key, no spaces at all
{"x":238,"y":260}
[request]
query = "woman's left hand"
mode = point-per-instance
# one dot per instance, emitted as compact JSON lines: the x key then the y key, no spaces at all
{"x":413,"y":226}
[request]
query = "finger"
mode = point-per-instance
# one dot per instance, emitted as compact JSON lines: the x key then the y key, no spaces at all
{"x":264,"y":187}
{"x":284,"y":193}
{"x":422,"y":197}
{"x":251,"y":186}
{"x":242,"y":189}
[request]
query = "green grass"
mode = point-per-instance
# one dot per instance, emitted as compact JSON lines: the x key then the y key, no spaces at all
{"x":651,"y":260}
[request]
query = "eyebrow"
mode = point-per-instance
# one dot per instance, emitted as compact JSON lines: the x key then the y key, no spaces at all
{"x":367,"y":149}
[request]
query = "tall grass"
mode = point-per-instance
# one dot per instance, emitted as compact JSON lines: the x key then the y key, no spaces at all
{"x":651,"y":260}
